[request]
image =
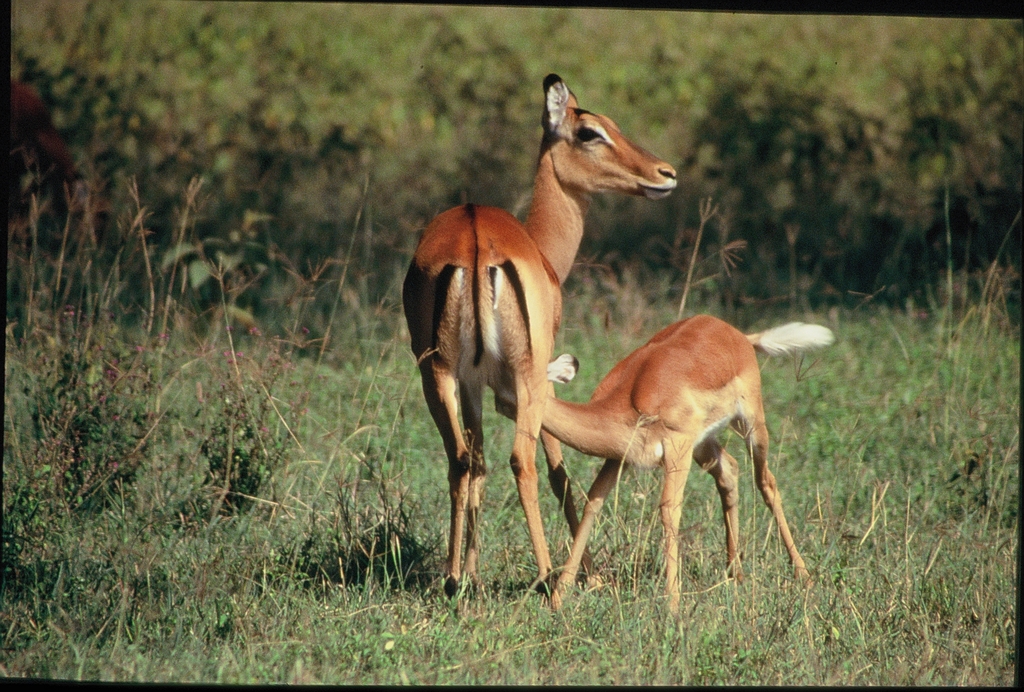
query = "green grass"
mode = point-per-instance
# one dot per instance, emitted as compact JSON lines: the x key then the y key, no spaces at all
{"x":896,"y":451}
{"x":187,"y":503}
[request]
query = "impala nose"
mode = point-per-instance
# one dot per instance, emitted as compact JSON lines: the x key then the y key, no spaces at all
{"x":662,"y":189}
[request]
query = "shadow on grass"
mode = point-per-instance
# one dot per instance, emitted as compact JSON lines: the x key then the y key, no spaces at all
{"x":364,"y":543}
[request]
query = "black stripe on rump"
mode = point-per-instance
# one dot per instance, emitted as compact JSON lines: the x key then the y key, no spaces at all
{"x":478,"y":333}
{"x":517,"y":287}
{"x":442,"y":284}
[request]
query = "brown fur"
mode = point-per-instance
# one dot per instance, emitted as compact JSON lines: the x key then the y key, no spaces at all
{"x":500,"y":306}
{"x":664,"y":405}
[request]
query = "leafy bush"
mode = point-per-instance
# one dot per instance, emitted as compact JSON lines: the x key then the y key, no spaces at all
{"x":89,"y":409}
{"x":787,"y":142}
{"x":245,"y":436}
{"x":86,"y":397}
{"x":849,"y":131}
{"x":371,"y":541}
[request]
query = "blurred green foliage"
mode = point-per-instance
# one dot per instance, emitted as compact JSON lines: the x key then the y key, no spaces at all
{"x":851,"y":131}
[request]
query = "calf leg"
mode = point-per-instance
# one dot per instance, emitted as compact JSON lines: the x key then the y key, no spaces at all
{"x":758,"y":441}
{"x":724,"y":469}
{"x":562,"y":488}
{"x":605,"y":481}
{"x":677,"y":468}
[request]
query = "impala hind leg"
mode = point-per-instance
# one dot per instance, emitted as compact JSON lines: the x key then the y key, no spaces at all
{"x":758,"y":442}
{"x":530,"y":399}
{"x":724,"y":469}
{"x":439,"y":391}
{"x":472,"y":417}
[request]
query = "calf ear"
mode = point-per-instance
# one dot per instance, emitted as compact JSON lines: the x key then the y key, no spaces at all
{"x":563,"y":368}
{"x":557,"y":101}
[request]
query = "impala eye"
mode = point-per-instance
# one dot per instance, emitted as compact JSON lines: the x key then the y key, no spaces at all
{"x":586,"y":134}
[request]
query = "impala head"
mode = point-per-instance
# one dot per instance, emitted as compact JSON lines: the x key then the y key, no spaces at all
{"x":590,"y":154}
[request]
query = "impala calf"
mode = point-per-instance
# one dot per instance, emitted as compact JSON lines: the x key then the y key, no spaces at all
{"x":664,"y":405}
{"x":482,"y":299}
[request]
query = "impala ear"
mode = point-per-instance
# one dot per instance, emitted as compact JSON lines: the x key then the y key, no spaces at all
{"x":557,"y":99}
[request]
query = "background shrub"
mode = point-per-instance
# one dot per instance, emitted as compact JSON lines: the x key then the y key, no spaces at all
{"x":856,"y":133}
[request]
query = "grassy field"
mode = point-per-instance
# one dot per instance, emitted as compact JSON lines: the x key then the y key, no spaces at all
{"x":218,"y":464}
{"x":229,"y":505}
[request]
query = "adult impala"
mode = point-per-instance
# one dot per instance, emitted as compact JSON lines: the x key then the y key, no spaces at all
{"x":482,"y":299}
{"x":38,"y":149}
{"x":664,"y":405}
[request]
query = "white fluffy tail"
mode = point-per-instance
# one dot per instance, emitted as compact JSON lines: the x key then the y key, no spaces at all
{"x":795,"y":337}
{"x":563,"y":368}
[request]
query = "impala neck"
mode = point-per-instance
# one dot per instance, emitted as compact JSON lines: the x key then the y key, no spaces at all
{"x":555,"y":220}
{"x":587,"y":428}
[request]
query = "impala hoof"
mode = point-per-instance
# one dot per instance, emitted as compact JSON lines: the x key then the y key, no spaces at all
{"x":734,"y":570}
{"x":451,"y":587}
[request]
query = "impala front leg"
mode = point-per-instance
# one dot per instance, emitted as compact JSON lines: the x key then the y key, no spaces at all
{"x":606,"y":479}
{"x":562,"y":487}
{"x":677,"y":468}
